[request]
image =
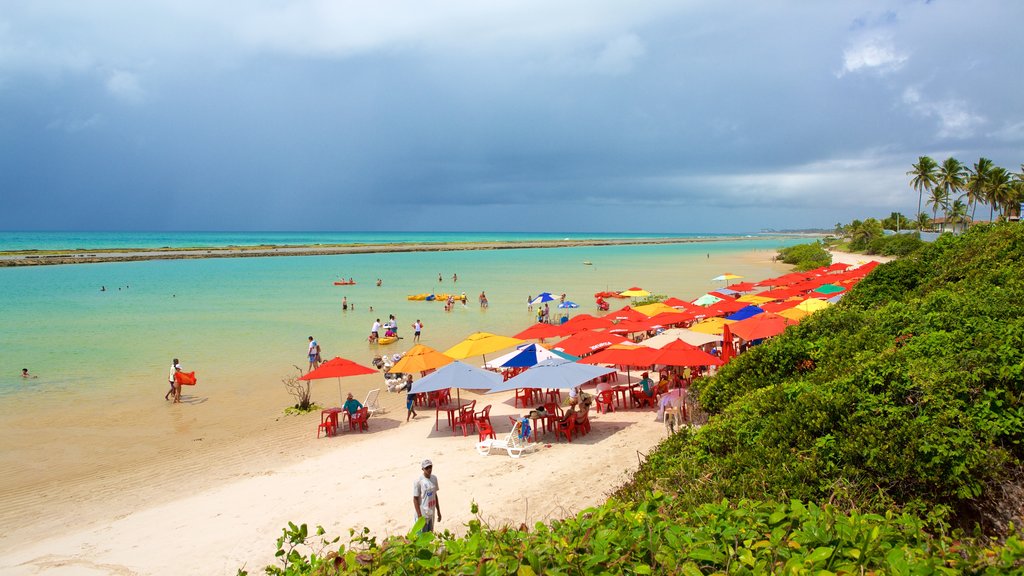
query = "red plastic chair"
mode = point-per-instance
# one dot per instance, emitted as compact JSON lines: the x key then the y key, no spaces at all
{"x":605,"y":402}
{"x":566,"y":427}
{"x":524,"y":397}
{"x":327,"y":428}
{"x":483,"y":417}
{"x":360,"y":420}
{"x":465,"y":419}
{"x":641,"y":400}
{"x":583,"y":425}
{"x":554,"y":395}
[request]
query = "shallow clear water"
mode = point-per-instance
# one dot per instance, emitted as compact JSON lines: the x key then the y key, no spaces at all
{"x":243,"y":322}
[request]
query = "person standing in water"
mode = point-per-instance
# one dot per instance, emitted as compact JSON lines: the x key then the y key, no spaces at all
{"x":175,"y":387}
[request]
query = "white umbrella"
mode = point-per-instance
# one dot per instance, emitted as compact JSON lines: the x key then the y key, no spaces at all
{"x":554,"y":373}
{"x":689,"y":336}
{"x":459,"y":376}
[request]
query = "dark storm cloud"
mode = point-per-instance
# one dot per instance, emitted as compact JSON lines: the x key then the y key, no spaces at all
{"x":693,"y":116}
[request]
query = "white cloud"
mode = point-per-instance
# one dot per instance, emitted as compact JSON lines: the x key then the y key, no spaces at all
{"x":953,"y":115}
{"x":1010,"y":132}
{"x":125,"y":86}
{"x":872,"y":53}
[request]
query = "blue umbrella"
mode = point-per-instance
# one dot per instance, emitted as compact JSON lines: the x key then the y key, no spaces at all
{"x":533,"y":354}
{"x":554,"y":373}
{"x":459,"y":376}
{"x":542,"y":297}
{"x":568,"y":304}
{"x":744,"y":313}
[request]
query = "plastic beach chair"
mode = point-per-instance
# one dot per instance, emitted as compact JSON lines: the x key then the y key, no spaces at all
{"x":372,"y":403}
{"x":512,"y":444}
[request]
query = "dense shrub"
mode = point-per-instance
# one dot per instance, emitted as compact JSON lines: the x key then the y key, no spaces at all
{"x":806,"y":256}
{"x":895,"y":244}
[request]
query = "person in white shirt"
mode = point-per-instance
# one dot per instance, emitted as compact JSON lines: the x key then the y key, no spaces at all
{"x":375,"y":330}
{"x":424,"y":496}
{"x":175,"y":367}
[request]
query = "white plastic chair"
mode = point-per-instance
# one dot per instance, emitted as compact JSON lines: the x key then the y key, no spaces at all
{"x":512,"y":444}
{"x":372,"y":405}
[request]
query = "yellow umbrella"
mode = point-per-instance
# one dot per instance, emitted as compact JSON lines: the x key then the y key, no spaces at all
{"x":755,"y":299}
{"x":728,"y":276}
{"x":812,"y":305}
{"x":711,"y":325}
{"x":794,"y":314}
{"x":655,"y":309}
{"x":421,"y":358}
{"x":635,"y":292}
{"x":481,"y":343}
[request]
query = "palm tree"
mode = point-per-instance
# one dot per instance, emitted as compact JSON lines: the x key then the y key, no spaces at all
{"x":976,"y":183}
{"x":999,"y":190}
{"x":958,"y":214}
{"x":924,"y":177}
{"x":936,"y":200}
{"x":922,"y":221}
{"x":952,"y":176}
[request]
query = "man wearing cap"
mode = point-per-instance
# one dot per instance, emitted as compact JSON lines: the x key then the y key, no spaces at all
{"x":424,"y":496}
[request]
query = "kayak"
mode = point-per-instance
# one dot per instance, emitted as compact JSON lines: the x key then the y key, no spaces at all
{"x":417,"y":297}
{"x":343,"y":283}
{"x":387,"y":339}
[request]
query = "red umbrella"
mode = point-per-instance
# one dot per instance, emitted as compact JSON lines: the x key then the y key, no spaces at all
{"x":625,"y":313}
{"x":582,"y":322}
{"x":761,"y":326}
{"x":541,"y":331}
{"x":742,"y":286}
{"x":727,"y":350}
{"x":588,"y":341}
{"x":339,"y":368}
{"x":679,"y":353}
{"x":628,"y":355}
{"x":671,"y":319}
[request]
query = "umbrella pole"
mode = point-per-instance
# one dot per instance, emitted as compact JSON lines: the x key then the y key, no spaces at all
{"x":341,"y":398}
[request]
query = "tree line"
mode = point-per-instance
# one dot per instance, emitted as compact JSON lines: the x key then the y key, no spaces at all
{"x":957,"y":189}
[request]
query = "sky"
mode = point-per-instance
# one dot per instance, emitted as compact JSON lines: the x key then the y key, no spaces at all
{"x":576,"y":116}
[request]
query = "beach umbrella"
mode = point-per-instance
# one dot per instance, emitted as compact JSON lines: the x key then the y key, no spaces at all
{"x":812,"y":305}
{"x":529,"y":355}
{"x":654,"y":309}
{"x":543,"y":297}
{"x":829,"y":289}
{"x":743,"y":286}
{"x":671,"y":318}
{"x":710,"y":325}
{"x":556,"y":373}
{"x":421,"y":358}
{"x":835,"y":298}
{"x":625,"y":313}
{"x":727,"y":349}
{"x":457,"y":375}
{"x":793,"y":314}
{"x":635,"y":292}
{"x":755,"y":299}
{"x":727,"y":306}
{"x":679,"y":353}
{"x":479,"y":344}
{"x":761,"y":326}
{"x":628,"y":355}
{"x":706,"y":300}
{"x":587,"y":341}
{"x":582,"y":322}
{"x":542,"y":330}
{"x":684,"y":334}
{"x":339,"y":368}
{"x":744,"y":313}
{"x":568,"y":304}
{"x":726,"y":277}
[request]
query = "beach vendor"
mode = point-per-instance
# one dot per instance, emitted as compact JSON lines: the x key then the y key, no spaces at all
{"x":351,"y":405}
{"x":410,"y":399}
{"x":424,"y":496}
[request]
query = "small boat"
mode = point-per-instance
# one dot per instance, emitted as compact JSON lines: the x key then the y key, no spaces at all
{"x":387,"y":339}
{"x":344,"y":282}
{"x":417,"y":296}
{"x":588,"y":263}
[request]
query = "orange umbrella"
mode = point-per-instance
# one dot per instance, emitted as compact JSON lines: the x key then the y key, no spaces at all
{"x":339,"y":368}
{"x":761,"y":326}
{"x":421,"y":358}
{"x":727,"y":350}
{"x":679,"y":353}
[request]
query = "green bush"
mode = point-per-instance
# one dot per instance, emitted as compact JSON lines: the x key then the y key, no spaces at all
{"x":806,"y":256}
{"x":895,"y":244}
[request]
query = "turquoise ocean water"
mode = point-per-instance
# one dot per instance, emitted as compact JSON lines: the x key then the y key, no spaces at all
{"x":242,"y":323}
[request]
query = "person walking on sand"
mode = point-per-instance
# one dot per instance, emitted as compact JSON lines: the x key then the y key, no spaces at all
{"x":417,"y":326}
{"x":175,"y":387}
{"x":314,"y":354}
{"x":410,"y":399}
{"x":424,"y":496}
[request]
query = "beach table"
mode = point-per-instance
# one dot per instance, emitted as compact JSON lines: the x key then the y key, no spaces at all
{"x":332,"y":415}
{"x":450,"y":409}
{"x":623,"y":395}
